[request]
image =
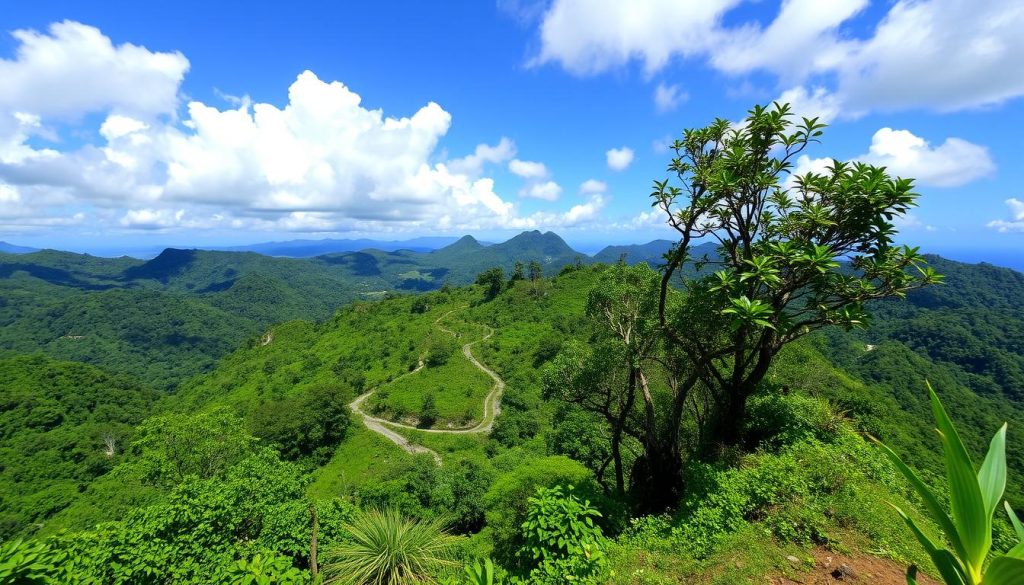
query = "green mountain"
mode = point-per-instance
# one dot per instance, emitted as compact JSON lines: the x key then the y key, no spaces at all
{"x":652,"y":252}
{"x":161,"y":320}
{"x":167,"y":318}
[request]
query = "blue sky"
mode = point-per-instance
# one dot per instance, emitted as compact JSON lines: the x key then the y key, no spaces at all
{"x":125,"y":124}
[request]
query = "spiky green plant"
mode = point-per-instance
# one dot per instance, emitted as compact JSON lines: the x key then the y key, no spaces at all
{"x":386,"y":548}
{"x":481,"y":574}
{"x":974,"y":496}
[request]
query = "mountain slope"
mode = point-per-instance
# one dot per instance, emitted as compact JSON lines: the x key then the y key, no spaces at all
{"x":61,"y":425}
{"x":13,"y":249}
{"x":652,"y":252}
{"x":309,"y":248}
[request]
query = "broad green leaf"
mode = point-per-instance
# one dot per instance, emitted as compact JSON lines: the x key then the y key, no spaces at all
{"x":992,"y":475}
{"x":931,"y":503}
{"x":1016,"y":552}
{"x":1017,"y":526}
{"x":949,"y":567}
{"x":969,"y":514}
{"x":1005,"y":571}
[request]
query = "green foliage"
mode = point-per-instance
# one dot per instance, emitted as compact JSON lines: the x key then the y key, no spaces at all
{"x":419,"y":489}
{"x":171,"y":447}
{"x":256,"y":512}
{"x":309,"y":425}
{"x":264,"y":569}
{"x":493,"y":280}
{"x":810,"y":491}
{"x":386,"y":548}
{"x":779,"y":272}
{"x":506,"y":503}
{"x":25,"y":562}
{"x":62,"y":425}
{"x":481,"y":573}
{"x":428,"y":411}
{"x":776,"y":420}
{"x":974,"y":496}
{"x":562,"y":543}
{"x":440,"y":350}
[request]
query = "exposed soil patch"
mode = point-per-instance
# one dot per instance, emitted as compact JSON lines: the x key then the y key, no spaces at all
{"x":831,"y":568}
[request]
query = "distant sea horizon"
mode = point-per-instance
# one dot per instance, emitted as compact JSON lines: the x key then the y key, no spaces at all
{"x":999,"y":257}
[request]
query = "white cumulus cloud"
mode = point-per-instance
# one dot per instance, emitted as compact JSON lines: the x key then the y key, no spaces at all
{"x":528,"y":169}
{"x":74,"y":69}
{"x":473,"y":164}
{"x":953,"y":163}
{"x":934,"y":54}
{"x":547,"y":190}
{"x":322,"y":162}
{"x":593,"y":186}
{"x":669,"y":97}
{"x":950,"y":164}
{"x":619,"y":158}
{"x":1016,"y":222}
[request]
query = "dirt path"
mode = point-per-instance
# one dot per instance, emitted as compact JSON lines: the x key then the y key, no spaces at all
{"x":492,"y":403}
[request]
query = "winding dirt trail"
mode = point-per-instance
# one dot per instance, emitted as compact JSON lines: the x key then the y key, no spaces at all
{"x":492,"y":402}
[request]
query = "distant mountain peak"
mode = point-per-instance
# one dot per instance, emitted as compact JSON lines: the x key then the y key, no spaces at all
{"x":15,"y":249}
{"x":466,"y":243}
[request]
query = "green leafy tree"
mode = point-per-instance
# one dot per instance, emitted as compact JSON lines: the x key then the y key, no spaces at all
{"x":307,"y":425}
{"x":518,"y":272}
{"x":387,"y":549}
{"x":610,"y":379}
{"x":429,"y":412}
{"x":974,"y":496}
{"x":171,"y":447}
{"x":778,"y":274}
{"x":493,"y":280}
{"x":536,"y":272}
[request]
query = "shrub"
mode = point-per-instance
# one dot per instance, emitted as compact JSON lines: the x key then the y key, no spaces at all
{"x":507,"y":500}
{"x":775,"y":420}
{"x":562,"y":543}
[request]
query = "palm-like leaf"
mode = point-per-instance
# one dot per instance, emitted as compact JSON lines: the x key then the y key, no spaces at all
{"x":387,"y":549}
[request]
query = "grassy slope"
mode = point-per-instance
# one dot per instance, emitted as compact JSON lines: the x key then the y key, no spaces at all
{"x":457,"y":386}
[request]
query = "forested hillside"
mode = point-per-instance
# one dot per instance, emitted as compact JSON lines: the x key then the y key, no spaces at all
{"x":275,"y":383}
{"x":173,"y":316}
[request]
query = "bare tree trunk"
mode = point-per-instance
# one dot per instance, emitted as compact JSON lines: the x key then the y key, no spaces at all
{"x":109,"y":445}
{"x":313,"y":567}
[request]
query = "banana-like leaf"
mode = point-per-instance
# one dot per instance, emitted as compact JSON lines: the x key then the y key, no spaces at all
{"x":1005,"y":571}
{"x":1017,"y":526}
{"x":969,"y":513}
{"x":949,"y":567}
{"x":936,"y":511}
{"x":992,"y":475}
{"x":1016,"y":552}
